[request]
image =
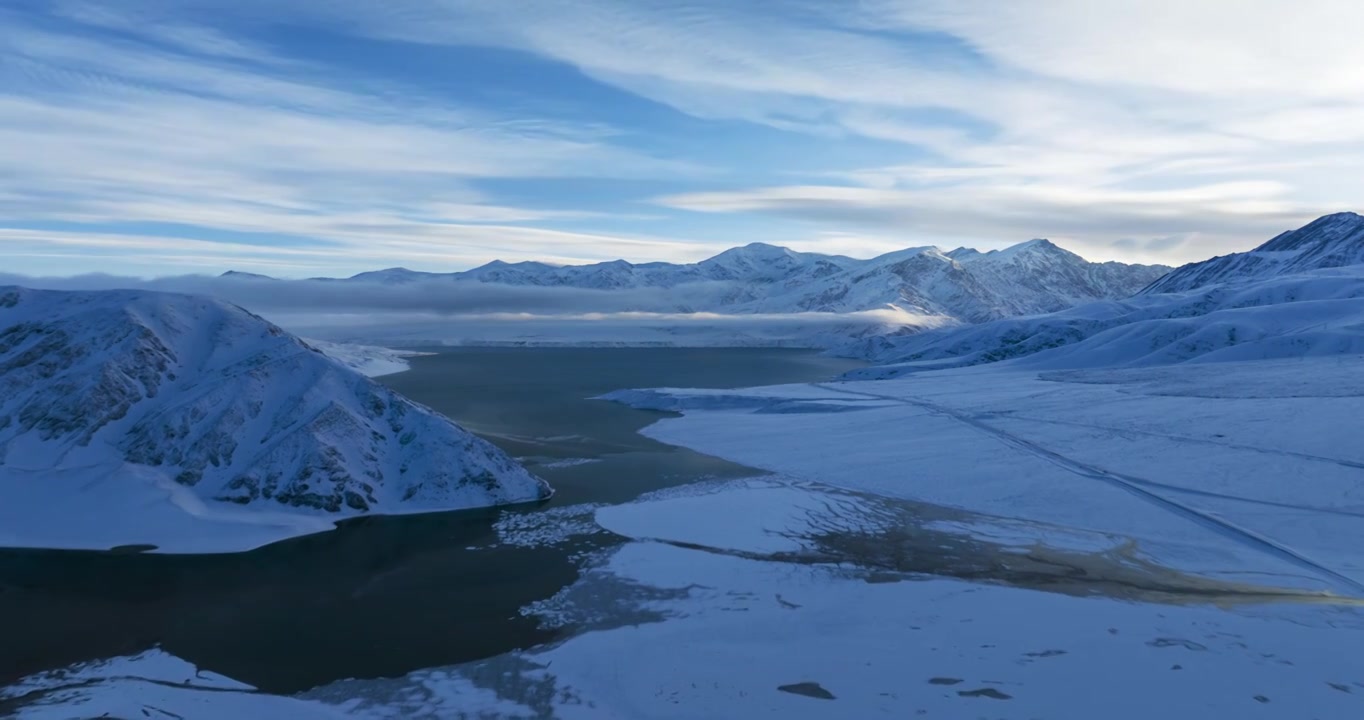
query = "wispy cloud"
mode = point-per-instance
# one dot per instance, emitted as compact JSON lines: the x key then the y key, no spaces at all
{"x":438,"y":296}
{"x":1099,"y":222}
{"x":1151,"y":130}
{"x":1181,"y":114}
{"x":106,"y":130}
{"x":362,"y":243}
{"x":438,"y":311}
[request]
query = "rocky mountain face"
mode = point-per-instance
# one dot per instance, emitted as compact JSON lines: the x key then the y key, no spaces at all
{"x":228,"y":405}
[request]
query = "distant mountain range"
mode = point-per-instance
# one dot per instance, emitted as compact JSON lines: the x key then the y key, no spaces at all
{"x":963,"y":284}
{"x":1299,"y":294}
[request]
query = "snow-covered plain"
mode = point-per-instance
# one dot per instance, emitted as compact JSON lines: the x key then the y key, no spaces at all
{"x":1234,"y":469}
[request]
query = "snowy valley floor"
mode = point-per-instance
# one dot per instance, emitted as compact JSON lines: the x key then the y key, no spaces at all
{"x":1176,"y":542}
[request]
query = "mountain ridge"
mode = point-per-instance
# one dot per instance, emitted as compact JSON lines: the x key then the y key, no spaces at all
{"x":1036,"y":276}
{"x":1335,"y":240}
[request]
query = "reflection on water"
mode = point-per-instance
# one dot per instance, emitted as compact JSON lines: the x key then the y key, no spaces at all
{"x":384,"y":596}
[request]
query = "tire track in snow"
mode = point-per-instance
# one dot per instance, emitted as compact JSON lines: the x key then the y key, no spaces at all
{"x":1191,"y":440}
{"x":1134,"y":485}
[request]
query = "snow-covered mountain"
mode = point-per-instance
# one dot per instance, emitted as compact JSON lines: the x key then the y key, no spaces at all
{"x":1330,"y":241}
{"x":1032,"y":277}
{"x":755,"y":263}
{"x":220,"y":403}
{"x":970,"y":286}
{"x":1298,"y":295}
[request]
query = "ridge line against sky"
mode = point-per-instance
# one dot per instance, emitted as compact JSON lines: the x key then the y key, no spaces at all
{"x":302,"y":137}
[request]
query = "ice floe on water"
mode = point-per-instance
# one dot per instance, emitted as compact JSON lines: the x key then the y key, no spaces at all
{"x":549,"y":527}
{"x":567,"y":462}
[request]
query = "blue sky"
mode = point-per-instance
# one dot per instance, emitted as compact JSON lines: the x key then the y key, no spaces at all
{"x":311,"y":137}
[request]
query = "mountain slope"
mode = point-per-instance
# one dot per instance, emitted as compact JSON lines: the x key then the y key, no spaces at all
{"x":226,"y":406}
{"x":1330,"y":241}
{"x":1317,"y":313}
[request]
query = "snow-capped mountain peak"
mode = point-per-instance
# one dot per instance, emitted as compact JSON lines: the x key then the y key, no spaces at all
{"x":240,"y":275}
{"x":755,"y":261}
{"x":1032,"y":248}
{"x":1299,"y":294}
{"x":1325,"y":229}
{"x":910,"y":252}
{"x":756,"y":250}
{"x":1329,"y":241}
{"x":1335,"y":240}
{"x":391,"y":276}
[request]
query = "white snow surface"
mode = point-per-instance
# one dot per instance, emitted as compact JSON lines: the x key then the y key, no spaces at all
{"x":368,"y":360}
{"x":1314,"y":313}
{"x":1240,"y":469}
{"x":143,"y":418}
